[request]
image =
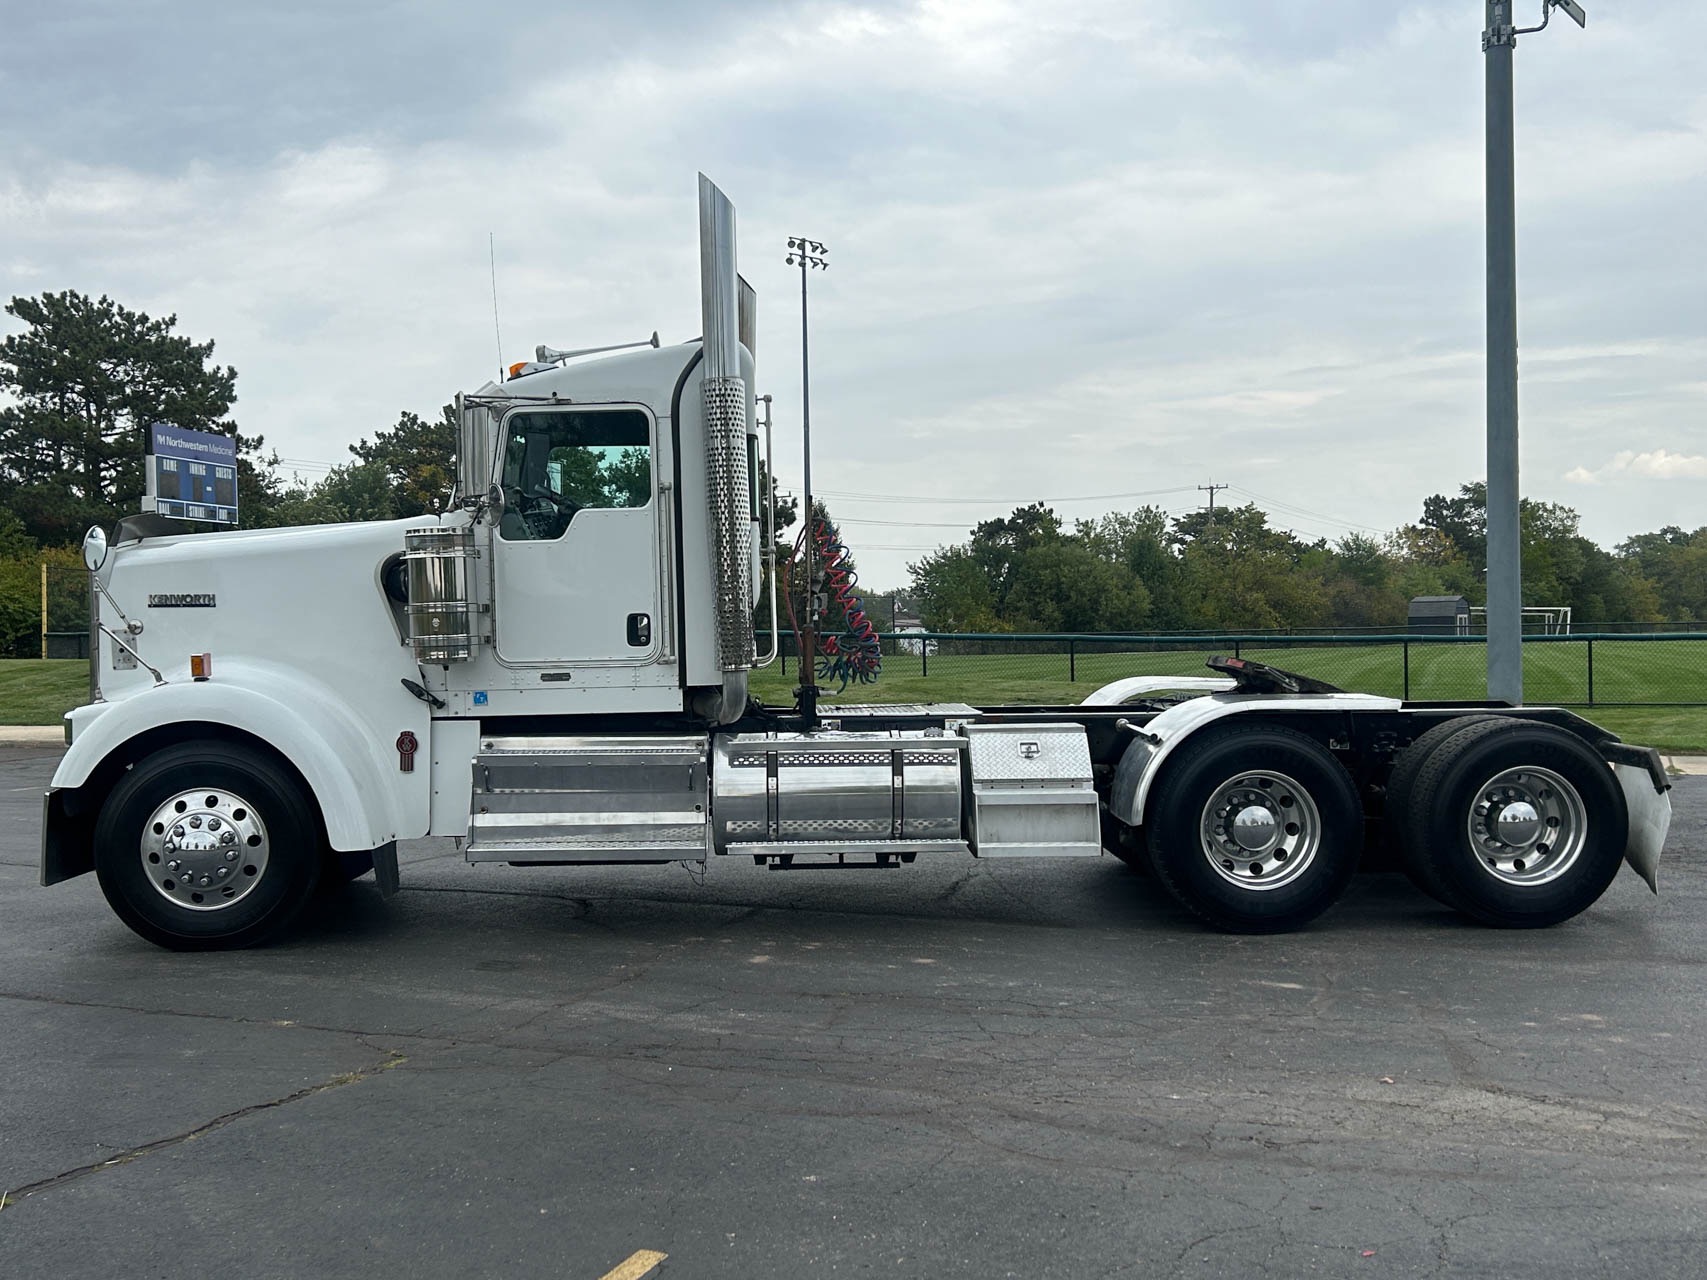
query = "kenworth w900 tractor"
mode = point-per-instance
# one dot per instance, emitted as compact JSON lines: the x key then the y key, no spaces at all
{"x":555,"y":671}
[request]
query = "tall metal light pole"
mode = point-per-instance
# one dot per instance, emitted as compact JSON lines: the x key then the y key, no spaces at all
{"x":1505,"y":567}
{"x":807,"y":254}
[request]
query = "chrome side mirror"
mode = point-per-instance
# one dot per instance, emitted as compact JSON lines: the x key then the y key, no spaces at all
{"x":95,"y":548}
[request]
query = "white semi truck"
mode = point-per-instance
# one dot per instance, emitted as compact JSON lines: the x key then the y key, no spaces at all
{"x":556,"y":672}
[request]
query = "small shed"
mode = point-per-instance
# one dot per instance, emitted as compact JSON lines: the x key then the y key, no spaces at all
{"x":1439,"y":616}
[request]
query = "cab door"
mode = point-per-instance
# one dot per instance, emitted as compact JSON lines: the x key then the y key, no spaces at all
{"x":577,"y":559}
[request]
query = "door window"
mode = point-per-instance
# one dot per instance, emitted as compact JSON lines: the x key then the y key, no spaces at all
{"x":560,"y":462}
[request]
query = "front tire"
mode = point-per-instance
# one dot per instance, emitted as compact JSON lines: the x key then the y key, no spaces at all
{"x":1521,"y":825}
{"x":206,"y":846}
{"x":1255,"y":830}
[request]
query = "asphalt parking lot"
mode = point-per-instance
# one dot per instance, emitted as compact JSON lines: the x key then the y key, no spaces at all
{"x":958,"y":1069}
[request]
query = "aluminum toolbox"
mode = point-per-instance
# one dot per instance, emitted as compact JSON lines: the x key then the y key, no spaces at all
{"x":1032,"y":795}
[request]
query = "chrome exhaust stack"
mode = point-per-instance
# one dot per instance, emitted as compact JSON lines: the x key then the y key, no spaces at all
{"x":724,"y":401}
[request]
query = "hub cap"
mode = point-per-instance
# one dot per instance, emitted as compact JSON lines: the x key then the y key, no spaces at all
{"x":204,"y":850}
{"x":1260,"y":830}
{"x":1527,"y":826}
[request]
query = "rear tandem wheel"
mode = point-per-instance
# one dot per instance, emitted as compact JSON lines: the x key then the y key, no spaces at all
{"x":1254,"y":830}
{"x":1402,"y":782}
{"x":1520,"y":825}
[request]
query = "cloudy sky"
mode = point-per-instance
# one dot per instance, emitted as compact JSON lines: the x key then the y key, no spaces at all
{"x":1093,"y":251}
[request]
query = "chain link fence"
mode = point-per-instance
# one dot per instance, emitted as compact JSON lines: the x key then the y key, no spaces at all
{"x":1599,"y":669}
{"x":1610,"y":667}
{"x":27,"y":584}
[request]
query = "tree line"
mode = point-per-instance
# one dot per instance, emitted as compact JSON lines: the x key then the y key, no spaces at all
{"x":80,"y":385}
{"x":1231,"y":570}
{"x":83,"y":380}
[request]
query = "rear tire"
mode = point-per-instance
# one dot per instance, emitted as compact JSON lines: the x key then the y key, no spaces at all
{"x":206,"y":846}
{"x":1402,"y":815}
{"x":1521,"y":825}
{"x":1255,"y":830}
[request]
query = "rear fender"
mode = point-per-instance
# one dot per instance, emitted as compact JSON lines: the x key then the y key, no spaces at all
{"x":1143,"y":761}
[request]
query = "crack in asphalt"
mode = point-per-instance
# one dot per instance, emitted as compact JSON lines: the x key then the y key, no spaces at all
{"x":343,"y":1079}
{"x":28,"y":997}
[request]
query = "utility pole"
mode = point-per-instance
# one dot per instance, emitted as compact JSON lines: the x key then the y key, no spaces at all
{"x":1212,"y":489}
{"x":807,"y":254}
{"x":1505,"y":559}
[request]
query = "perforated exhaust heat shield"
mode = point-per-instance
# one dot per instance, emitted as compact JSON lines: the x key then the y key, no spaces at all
{"x":724,"y":396}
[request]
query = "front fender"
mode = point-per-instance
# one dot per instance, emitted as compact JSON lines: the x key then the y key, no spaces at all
{"x":346,"y":753}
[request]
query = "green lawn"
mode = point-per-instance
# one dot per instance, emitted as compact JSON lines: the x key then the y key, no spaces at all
{"x":1657,"y":672}
{"x":33,"y":692}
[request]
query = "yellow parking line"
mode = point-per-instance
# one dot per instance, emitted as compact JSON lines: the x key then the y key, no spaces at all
{"x":636,"y":1267}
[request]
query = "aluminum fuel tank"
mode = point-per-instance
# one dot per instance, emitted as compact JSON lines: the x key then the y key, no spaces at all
{"x":884,"y":791}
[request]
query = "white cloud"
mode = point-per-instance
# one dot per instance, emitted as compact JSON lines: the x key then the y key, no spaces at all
{"x":1655,"y":464}
{"x":1083,"y":248}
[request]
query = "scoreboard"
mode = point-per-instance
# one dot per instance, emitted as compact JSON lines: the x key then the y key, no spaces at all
{"x":192,"y":475}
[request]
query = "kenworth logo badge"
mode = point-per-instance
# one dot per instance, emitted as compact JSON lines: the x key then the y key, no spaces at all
{"x":181,"y":600}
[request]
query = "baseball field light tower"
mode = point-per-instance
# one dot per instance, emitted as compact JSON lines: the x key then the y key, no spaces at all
{"x":809,"y":255}
{"x":1505,"y":567}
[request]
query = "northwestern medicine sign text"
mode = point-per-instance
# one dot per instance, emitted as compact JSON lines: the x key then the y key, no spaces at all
{"x":192,"y":475}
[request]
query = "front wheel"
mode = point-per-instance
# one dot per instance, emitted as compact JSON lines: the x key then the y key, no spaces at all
{"x":207,"y":845}
{"x":1255,"y":830}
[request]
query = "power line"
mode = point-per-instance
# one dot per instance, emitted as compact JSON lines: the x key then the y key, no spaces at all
{"x":849,"y":496}
{"x":863,"y":547}
{"x":1293,"y":508}
{"x":907,"y":524}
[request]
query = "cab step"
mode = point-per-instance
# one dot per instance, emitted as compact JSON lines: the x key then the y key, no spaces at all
{"x":550,"y":799}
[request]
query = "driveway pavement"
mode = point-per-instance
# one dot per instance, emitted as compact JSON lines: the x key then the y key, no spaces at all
{"x":955,"y":1069}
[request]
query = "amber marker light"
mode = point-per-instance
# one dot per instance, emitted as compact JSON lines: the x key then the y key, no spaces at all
{"x":201,"y":666}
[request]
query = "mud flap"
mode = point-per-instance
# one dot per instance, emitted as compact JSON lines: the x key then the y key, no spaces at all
{"x":385,"y":869}
{"x":66,"y":851}
{"x":1650,"y":819}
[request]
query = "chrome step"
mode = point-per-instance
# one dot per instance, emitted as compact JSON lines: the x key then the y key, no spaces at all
{"x":542,"y":798}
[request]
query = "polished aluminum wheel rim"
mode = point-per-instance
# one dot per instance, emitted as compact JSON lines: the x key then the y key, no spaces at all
{"x":204,"y":850}
{"x":1260,"y":830}
{"x":1527,"y":826}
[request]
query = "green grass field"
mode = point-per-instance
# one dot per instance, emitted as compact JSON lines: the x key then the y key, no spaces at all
{"x":1661,"y":673}
{"x":1664,"y":674}
{"x":34,"y":691}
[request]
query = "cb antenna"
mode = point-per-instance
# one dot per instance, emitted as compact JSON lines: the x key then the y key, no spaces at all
{"x":497,"y":334}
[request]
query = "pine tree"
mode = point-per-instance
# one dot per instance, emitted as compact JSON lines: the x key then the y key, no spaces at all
{"x":87,"y":378}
